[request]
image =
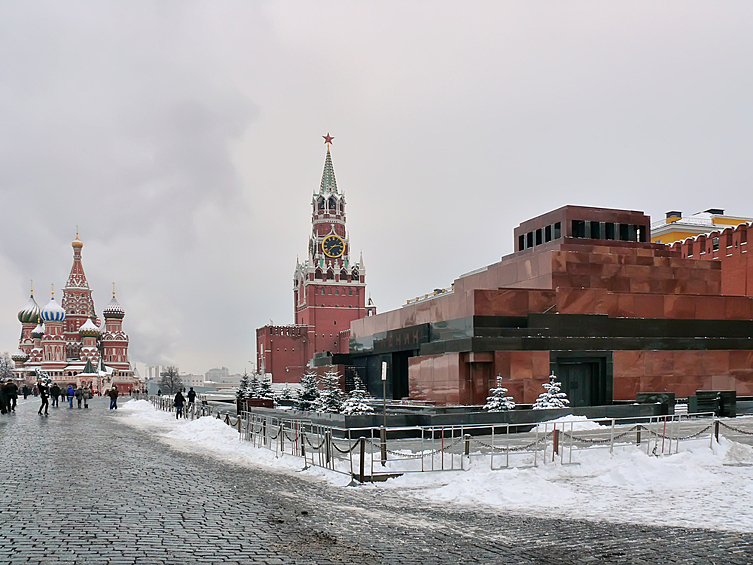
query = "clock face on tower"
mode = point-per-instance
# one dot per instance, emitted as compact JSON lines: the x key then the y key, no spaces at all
{"x":333,"y":246}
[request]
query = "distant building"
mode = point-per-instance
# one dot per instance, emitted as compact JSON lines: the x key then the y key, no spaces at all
{"x":189,"y":380}
{"x":217,"y":375}
{"x":154,"y":372}
{"x":69,"y":343}
{"x":678,"y":228}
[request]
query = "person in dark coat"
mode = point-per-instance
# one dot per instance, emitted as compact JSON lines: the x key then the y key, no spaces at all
{"x":113,"y":394}
{"x":11,"y":395}
{"x":191,"y":396}
{"x":79,"y":394}
{"x":179,"y":402}
{"x":55,"y":392}
{"x":4,"y":406}
{"x":43,"y":394}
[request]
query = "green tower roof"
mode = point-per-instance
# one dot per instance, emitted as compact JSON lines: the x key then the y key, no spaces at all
{"x":329,"y":183}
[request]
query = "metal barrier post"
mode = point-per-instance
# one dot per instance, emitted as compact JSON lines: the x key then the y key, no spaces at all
{"x":716,"y":430}
{"x":281,"y":434}
{"x":555,"y":442}
{"x":611,"y":438}
{"x":467,"y":441}
{"x":383,"y":439}
{"x":363,"y":457}
{"x":638,"y":434}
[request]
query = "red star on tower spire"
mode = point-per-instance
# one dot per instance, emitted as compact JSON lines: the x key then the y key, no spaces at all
{"x":328,"y":139}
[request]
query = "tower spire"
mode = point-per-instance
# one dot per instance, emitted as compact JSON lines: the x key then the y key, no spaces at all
{"x":329,"y":183}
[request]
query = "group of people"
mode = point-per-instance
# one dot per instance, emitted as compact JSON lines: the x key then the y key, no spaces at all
{"x":180,"y":400}
{"x":8,"y":396}
{"x":81,"y":394}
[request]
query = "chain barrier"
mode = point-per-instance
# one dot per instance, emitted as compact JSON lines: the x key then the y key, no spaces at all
{"x":662,"y":436}
{"x":352,"y":448}
{"x":518,"y":448}
{"x":312,"y":445}
{"x":272,"y":432}
{"x":739,"y":431}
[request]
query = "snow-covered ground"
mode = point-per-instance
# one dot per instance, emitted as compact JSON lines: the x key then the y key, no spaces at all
{"x":698,"y":487}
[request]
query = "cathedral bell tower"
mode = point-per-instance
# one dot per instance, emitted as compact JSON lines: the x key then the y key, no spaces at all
{"x":329,"y":287}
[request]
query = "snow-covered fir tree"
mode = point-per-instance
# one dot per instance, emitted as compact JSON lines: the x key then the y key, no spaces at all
{"x":356,"y":404}
{"x":253,"y":386}
{"x":286,"y":393}
{"x":309,"y":392}
{"x":243,"y":388}
{"x":331,"y":397}
{"x":553,"y":397}
{"x":498,"y":401}
{"x":264,"y":389}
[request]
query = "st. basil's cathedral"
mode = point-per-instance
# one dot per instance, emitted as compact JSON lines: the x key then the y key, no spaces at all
{"x":69,"y":343}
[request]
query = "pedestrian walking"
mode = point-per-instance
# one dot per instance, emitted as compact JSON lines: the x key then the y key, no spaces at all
{"x":79,"y":394}
{"x":87,"y":394}
{"x":191,"y":396}
{"x":43,"y":394}
{"x":55,"y":392}
{"x":178,"y":403}
{"x":11,"y":395}
{"x":71,"y":393}
{"x":25,"y":391}
{"x":159,"y":392}
{"x":113,"y":394}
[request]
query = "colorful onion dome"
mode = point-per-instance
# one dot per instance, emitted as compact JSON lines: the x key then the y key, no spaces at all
{"x":88,"y":329}
{"x":77,"y":244}
{"x":53,"y":312}
{"x":114,"y":309}
{"x":30,"y":313}
{"x":19,"y":356}
{"x":38,"y":332}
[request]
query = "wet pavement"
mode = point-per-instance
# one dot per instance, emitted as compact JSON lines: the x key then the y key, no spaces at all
{"x":83,"y":488}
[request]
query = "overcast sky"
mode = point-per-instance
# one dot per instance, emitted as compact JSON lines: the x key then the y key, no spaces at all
{"x":184,"y":139}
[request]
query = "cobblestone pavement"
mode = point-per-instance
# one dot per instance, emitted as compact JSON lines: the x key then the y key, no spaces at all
{"x":92,"y":490}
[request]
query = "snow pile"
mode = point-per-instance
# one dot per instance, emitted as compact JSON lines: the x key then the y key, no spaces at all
{"x":625,"y":486}
{"x":564,"y":423}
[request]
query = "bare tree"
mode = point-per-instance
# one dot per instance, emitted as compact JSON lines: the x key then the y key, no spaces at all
{"x":170,"y":381}
{"x":6,"y":367}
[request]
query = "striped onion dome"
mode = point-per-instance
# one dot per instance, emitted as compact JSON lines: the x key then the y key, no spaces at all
{"x":88,"y":329}
{"x":53,"y":312}
{"x":19,"y":356}
{"x":38,"y":332}
{"x":114,"y":309}
{"x":30,"y":313}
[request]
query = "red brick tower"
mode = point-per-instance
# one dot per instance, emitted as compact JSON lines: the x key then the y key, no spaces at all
{"x":329,"y":288}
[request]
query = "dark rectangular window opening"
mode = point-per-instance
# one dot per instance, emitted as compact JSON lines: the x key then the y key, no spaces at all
{"x":609,"y":230}
{"x":595,"y":230}
{"x":743,"y":236}
{"x":579,"y":228}
{"x":624,"y":232}
{"x":529,"y":239}
{"x":557,"y":230}
{"x":548,"y":233}
{"x":521,"y":242}
{"x":715,"y":243}
{"x":539,"y":238}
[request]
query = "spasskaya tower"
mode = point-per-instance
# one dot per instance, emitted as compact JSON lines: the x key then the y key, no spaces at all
{"x":329,"y":289}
